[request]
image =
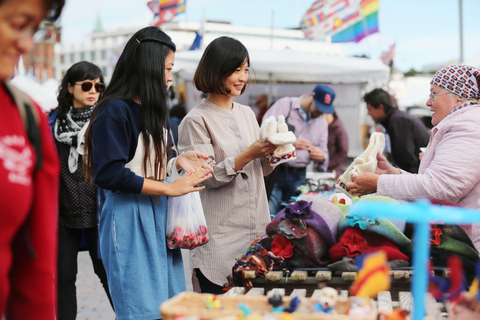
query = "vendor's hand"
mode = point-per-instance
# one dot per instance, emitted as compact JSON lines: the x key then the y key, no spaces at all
{"x":420,"y":156}
{"x":302,"y":144}
{"x":317,"y":154}
{"x":260,"y":149}
{"x":188,"y":183}
{"x":363,"y":184}
{"x":193,"y":161}
{"x":383,"y":167}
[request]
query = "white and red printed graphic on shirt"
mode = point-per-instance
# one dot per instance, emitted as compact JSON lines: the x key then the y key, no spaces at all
{"x":16,"y":158}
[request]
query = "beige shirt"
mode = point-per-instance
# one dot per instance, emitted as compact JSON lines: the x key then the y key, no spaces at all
{"x":234,"y":202}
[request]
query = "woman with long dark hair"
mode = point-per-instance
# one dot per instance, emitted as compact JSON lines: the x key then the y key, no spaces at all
{"x":129,"y":154}
{"x":79,"y":91}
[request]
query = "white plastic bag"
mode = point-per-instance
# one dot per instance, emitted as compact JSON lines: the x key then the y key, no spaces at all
{"x":186,"y":225}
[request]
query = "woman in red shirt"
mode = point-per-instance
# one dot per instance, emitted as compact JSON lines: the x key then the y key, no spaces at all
{"x":28,"y":176}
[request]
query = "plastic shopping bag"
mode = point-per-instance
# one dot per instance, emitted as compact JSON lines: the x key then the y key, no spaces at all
{"x":186,"y":225}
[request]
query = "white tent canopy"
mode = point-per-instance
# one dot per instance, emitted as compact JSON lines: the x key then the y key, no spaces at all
{"x":44,"y":96}
{"x":290,"y":73}
{"x":291,"y":66}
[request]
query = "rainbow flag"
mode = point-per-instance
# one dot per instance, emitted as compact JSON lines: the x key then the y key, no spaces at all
{"x":343,"y":20}
{"x":165,"y":10}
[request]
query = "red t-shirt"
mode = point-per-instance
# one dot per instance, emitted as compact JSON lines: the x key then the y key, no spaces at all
{"x":27,"y":283}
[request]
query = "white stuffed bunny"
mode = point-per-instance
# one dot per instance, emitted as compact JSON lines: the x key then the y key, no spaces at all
{"x":277,"y":133}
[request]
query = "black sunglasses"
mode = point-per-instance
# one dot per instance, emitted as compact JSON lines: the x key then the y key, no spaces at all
{"x":87,"y":86}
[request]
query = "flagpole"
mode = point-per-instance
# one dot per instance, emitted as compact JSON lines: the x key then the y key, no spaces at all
{"x":461,"y":31}
{"x":270,"y":89}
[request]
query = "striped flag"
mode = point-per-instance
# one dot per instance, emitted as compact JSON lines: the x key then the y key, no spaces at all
{"x":165,"y":10}
{"x":387,"y":56}
{"x":343,"y":20}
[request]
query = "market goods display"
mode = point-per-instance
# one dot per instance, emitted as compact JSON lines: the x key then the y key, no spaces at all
{"x":366,"y":162}
{"x":262,"y":307}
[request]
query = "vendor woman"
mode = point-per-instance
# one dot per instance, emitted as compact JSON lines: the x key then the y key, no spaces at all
{"x":449,"y":169}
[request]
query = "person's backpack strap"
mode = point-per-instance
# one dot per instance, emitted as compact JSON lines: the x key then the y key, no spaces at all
{"x":30,"y":118}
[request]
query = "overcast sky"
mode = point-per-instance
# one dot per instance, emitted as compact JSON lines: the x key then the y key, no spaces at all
{"x":424,"y":31}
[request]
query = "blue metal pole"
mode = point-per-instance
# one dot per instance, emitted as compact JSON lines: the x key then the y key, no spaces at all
{"x":420,"y":265}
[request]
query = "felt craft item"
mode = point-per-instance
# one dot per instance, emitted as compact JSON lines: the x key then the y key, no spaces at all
{"x":302,"y":246}
{"x":447,"y":240}
{"x":355,"y":241}
{"x":318,"y":213}
{"x":268,"y":128}
{"x":283,"y":139}
{"x":366,"y":162}
{"x":261,"y":262}
{"x":459,"y":79}
{"x":392,"y":229}
{"x":277,"y":133}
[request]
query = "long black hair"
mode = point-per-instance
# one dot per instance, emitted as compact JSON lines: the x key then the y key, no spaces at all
{"x":80,"y":71}
{"x":140,"y":74}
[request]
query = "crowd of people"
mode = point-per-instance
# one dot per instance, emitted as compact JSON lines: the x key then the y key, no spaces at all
{"x":107,"y":153}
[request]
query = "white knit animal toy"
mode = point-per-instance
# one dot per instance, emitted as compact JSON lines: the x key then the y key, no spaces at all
{"x":366,"y":162}
{"x":277,"y":133}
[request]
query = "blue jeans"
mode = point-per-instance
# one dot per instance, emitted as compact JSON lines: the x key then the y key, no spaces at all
{"x":285,"y":185}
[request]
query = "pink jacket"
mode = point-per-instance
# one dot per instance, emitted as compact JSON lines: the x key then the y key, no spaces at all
{"x":450,"y":167}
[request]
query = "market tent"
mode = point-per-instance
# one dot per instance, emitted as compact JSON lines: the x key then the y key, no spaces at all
{"x":45,"y":97}
{"x":417,"y":94}
{"x":289,"y":73}
{"x":291,"y":66}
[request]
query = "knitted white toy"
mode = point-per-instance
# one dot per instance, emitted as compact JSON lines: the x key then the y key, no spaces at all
{"x":366,"y":162}
{"x":277,"y":133}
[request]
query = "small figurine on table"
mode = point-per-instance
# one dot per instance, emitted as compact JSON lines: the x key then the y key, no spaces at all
{"x":326,"y":301}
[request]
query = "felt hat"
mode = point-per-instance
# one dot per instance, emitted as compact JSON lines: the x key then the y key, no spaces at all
{"x":392,"y":229}
{"x":355,"y":241}
{"x":318,"y":213}
{"x":447,"y":239}
{"x":323,"y":95}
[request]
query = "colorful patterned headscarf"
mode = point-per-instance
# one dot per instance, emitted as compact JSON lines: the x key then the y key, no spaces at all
{"x":461,"y":80}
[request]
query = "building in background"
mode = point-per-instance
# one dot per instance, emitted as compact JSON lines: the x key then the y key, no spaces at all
{"x":40,"y":62}
{"x":104,"y":47}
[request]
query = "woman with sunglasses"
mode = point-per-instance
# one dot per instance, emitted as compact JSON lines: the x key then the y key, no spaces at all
{"x":79,"y":92}
{"x":449,"y":169}
{"x":129,"y":154}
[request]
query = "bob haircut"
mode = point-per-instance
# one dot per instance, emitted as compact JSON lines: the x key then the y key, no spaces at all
{"x":80,"y":71}
{"x":221,"y":58}
{"x":140,"y":74}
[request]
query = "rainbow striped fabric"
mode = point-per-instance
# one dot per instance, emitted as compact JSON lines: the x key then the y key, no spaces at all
{"x":343,"y":20}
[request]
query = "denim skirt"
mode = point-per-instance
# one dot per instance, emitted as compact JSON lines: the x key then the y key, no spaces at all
{"x":141,"y":271}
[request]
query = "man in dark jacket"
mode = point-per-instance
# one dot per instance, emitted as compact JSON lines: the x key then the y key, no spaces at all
{"x":407,"y":133}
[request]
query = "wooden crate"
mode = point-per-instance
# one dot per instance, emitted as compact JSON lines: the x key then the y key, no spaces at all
{"x":190,"y":303}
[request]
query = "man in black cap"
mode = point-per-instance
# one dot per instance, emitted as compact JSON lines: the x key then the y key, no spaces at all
{"x":407,"y":133}
{"x":303,"y":117}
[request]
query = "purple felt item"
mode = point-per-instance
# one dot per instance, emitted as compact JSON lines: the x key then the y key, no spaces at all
{"x":318,"y":213}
